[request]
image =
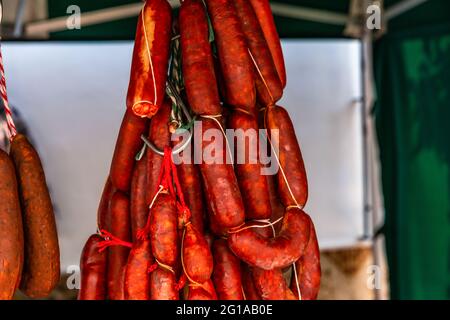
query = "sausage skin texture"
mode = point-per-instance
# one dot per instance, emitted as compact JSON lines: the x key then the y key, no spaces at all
{"x":275,"y":203}
{"x":278,"y":252}
{"x":205,"y":292}
{"x":93,"y":270}
{"x":271,"y":284}
{"x":235,"y":61}
{"x":41,"y":268}
{"x":252,"y":183}
{"x":198,"y":64}
{"x":149,"y":74}
{"x":11,"y":230}
{"x":164,"y":230}
{"x":220,"y":181}
{"x":266,"y":20}
{"x":159,"y":134}
{"x":290,"y":156}
{"x":227,"y":272}
{"x":103,"y":215}
{"x":163,"y":285}
{"x":137,"y":277}
{"x":308,"y":270}
{"x":268,"y":83}
{"x":249,"y":286}
{"x":197,"y":257}
{"x":138,"y":202}
{"x":127,"y":146}
{"x":118,"y":255}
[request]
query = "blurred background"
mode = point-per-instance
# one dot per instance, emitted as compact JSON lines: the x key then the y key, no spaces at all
{"x":368,"y":91}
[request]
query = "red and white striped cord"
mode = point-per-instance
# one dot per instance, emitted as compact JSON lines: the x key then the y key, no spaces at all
{"x":8,"y":113}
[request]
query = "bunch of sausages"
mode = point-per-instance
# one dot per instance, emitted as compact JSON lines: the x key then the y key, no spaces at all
{"x":210,"y":230}
{"x":29,"y":251}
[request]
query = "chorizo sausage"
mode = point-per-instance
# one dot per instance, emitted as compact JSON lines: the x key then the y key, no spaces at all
{"x":159,"y":134}
{"x":11,"y":230}
{"x":138,"y":202}
{"x":235,"y":61}
{"x":308,"y":270}
{"x":252,"y":183}
{"x":137,"y":277}
{"x":41,"y":268}
{"x":271,"y":284}
{"x":197,"y":257}
{"x":128,"y":144}
{"x":227,"y":272}
{"x":275,"y":203}
{"x":118,"y":255}
{"x":164,"y":230}
{"x":150,"y":58}
{"x":163,"y":285}
{"x":197,"y":59}
{"x":204,"y":292}
{"x":220,"y":180}
{"x":249,"y":286}
{"x":265,"y":18}
{"x":268,"y":83}
{"x":292,"y":168}
{"x":103,"y":215}
{"x":93,"y":270}
{"x":278,"y":252}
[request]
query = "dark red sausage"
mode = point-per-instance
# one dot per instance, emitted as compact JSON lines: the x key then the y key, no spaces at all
{"x":271,"y":284}
{"x":118,"y":255}
{"x":247,"y":283}
{"x":163,"y":285}
{"x":149,"y":74}
{"x":103,"y":215}
{"x":227,"y":272}
{"x":159,"y":134}
{"x":290,"y":156}
{"x":265,"y":18}
{"x":137,"y":276}
{"x":197,"y":257}
{"x":93,"y":270}
{"x":278,"y":252}
{"x":308,"y":270}
{"x":205,"y":292}
{"x":197,"y":59}
{"x":235,"y":61}
{"x":163,"y":230}
{"x":268,"y":83}
{"x":275,"y":203}
{"x":252,"y":183}
{"x":127,"y":146}
{"x":138,"y":201}
{"x":11,"y":230}
{"x":41,"y":269}
{"x":220,"y":180}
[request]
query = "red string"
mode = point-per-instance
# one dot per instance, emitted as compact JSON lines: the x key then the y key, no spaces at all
{"x":111,"y":240}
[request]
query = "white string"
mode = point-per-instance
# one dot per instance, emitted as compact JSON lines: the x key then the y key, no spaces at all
{"x":296,"y":282}
{"x":224,"y":135}
{"x":260,"y":74}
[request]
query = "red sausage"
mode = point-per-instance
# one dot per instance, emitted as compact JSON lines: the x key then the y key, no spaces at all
{"x":137,"y":276}
{"x":220,"y":181}
{"x":163,"y":230}
{"x":159,"y":134}
{"x":268,"y":83}
{"x":265,"y":18}
{"x":275,"y":203}
{"x":118,"y":255}
{"x":252,"y":183}
{"x":290,"y":156}
{"x":93,"y":270}
{"x":198,"y":66}
{"x":235,"y":61}
{"x":308,"y":270}
{"x":103,"y":215}
{"x":138,"y":202}
{"x":128,"y":144}
{"x":163,"y":285}
{"x":249,"y":286}
{"x":11,"y":230}
{"x":197,"y":257}
{"x":150,"y":58}
{"x":271,"y":284}
{"x":205,"y":292}
{"x":277,"y":252}
{"x":227,"y":272}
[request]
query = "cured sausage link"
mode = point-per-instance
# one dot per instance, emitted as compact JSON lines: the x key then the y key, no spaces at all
{"x":137,"y":276}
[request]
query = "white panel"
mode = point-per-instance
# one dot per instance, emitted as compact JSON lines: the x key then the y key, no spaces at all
{"x":72,"y":97}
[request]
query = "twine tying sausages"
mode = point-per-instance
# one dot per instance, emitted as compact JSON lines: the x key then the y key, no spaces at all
{"x":261,"y":75}
{"x":12,"y":131}
{"x":111,"y":240}
{"x":215,"y":118}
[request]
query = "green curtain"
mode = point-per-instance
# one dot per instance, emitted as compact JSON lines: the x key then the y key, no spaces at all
{"x":412,"y":70}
